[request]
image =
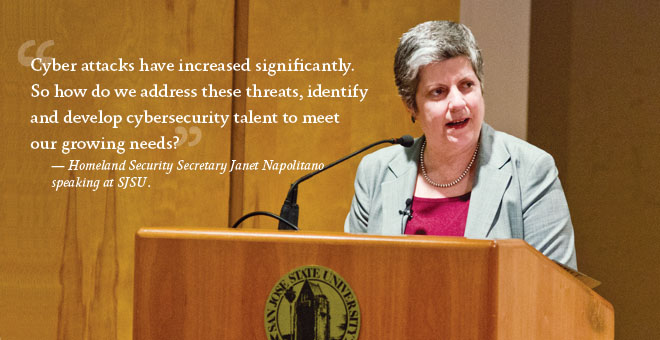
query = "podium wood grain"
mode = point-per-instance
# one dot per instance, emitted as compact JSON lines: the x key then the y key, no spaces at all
{"x":202,"y":284}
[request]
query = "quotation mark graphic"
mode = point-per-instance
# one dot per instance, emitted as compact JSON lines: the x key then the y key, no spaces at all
{"x":25,"y":60}
{"x":193,"y":131}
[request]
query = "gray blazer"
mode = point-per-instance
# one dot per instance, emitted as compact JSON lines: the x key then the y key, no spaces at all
{"x":516,"y":194}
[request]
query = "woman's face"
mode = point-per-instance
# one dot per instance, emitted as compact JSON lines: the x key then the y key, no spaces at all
{"x":450,"y":105}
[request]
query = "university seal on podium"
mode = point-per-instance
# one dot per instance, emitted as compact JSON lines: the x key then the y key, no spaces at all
{"x":312,"y":303}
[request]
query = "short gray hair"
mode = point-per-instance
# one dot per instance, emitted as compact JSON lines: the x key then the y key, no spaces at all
{"x":429,"y":42}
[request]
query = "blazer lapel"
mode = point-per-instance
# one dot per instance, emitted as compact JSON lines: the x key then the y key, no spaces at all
{"x":485,"y":201}
{"x":397,"y":191}
{"x":491,"y":182}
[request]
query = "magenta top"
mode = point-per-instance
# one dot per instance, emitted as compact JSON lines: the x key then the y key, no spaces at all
{"x":439,"y":216}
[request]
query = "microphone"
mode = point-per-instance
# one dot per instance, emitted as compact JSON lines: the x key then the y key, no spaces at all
{"x":408,"y":210}
{"x":405,"y":140}
{"x":407,"y":214}
{"x":290,"y":209}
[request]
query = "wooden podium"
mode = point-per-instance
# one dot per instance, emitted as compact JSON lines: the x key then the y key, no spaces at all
{"x":215,"y":284}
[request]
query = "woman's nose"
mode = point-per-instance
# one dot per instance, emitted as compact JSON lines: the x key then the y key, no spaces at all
{"x":456,"y":100}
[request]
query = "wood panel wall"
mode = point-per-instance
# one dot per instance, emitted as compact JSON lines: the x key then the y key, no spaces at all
{"x":66,"y":257}
{"x":594,"y":105}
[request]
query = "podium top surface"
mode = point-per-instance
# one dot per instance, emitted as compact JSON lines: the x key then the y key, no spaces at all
{"x":323,"y":237}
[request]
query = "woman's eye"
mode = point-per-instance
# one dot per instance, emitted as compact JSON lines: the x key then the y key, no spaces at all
{"x":438,"y":92}
{"x":468,"y":84}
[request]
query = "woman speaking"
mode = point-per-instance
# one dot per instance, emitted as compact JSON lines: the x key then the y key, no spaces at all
{"x":461,"y":178}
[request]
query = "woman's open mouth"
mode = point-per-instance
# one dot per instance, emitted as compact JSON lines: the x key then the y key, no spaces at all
{"x":458,"y":124}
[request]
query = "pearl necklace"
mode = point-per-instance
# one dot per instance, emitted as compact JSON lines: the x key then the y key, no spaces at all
{"x":440,"y":185}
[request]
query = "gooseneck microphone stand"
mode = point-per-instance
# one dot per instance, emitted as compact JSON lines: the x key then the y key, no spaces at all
{"x":289,"y":213}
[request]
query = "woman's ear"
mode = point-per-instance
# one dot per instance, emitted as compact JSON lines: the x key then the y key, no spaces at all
{"x":411,"y":110}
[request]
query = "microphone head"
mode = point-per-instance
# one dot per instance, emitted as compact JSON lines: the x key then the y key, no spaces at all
{"x":406,"y":140}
